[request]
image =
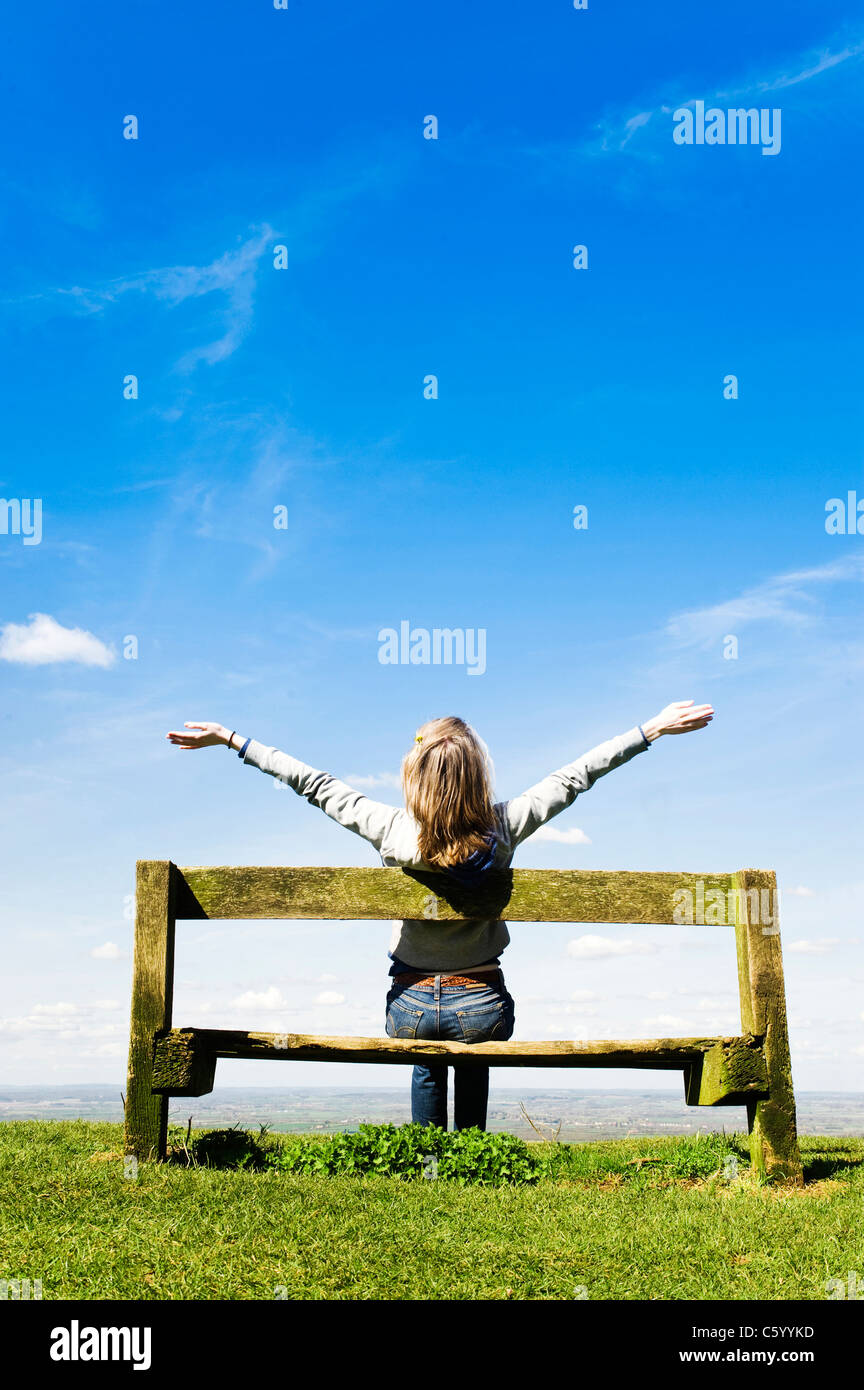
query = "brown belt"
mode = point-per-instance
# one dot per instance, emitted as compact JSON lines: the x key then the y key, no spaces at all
{"x":469,"y":981}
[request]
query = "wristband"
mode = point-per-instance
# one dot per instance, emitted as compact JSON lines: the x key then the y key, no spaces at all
{"x":642,"y":732}
{"x":243,"y":749}
{"x":230,"y":736}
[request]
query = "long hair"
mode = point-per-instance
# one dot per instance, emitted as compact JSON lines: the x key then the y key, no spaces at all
{"x":447,"y":780}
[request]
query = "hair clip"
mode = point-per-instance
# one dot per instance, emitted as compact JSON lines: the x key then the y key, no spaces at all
{"x":418,"y":738}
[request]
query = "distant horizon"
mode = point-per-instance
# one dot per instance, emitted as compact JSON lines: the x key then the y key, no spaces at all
{"x":580,"y":1115}
{"x":310,"y":1086}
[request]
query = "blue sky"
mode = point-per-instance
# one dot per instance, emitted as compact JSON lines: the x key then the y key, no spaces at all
{"x":302,"y":388}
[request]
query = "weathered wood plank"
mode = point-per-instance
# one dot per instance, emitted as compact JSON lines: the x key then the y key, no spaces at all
{"x":183,"y":1064}
{"x":732,"y":1072}
{"x":520,"y":895}
{"x":152,"y":990}
{"x":773,"y":1132}
{"x":178,"y":1049}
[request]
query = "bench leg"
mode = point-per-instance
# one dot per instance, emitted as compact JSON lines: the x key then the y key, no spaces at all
{"x":774,"y":1150}
{"x":146,"y":1129}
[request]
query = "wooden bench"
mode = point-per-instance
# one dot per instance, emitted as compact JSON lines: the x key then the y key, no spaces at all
{"x":751,"y":1069}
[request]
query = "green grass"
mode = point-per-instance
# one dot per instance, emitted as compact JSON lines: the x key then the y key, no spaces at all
{"x":668,"y":1227}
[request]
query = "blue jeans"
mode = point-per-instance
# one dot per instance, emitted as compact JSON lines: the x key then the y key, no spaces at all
{"x":458,"y":1014}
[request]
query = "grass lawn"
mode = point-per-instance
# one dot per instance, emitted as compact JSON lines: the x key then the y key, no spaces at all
{"x":630,"y":1219}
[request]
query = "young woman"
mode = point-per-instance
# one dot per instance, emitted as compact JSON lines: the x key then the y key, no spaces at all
{"x":447,"y":981}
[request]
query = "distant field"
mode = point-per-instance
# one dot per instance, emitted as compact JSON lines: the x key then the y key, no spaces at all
{"x":621,"y":1220}
{"x":581,"y":1114}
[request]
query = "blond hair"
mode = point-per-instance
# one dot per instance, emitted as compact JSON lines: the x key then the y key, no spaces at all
{"x":447,"y":780}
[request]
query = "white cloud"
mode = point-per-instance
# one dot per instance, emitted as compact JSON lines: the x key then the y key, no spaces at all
{"x":667,"y":1021}
{"x":103,"y":1030}
{"x":814,"y":948}
{"x":109,"y":951}
{"x":18,"y":1027}
{"x":271,"y":998}
{"x":600,"y":947}
{"x":111,"y":1049}
{"x":56,"y":1020}
{"x":329,"y":996}
{"x":44,"y":642}
{"x":801,"y":892}
{"x":585,"y":995}
{"x":562,"y":837}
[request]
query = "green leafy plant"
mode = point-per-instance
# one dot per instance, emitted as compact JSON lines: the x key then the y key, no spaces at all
{"x":407,"y":1151}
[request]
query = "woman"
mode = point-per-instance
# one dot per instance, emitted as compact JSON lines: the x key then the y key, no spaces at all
{"x":447,"y":981}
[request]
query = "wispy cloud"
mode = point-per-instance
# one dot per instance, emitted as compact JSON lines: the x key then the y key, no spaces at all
{"x":278,"y":454}
{"x":785,"y":599}
{"x":814,"y":67}
{"x":43,"y":642}
{"x":231,"y":275}
{"x":615,"y":132}
{"x":635,"y":123}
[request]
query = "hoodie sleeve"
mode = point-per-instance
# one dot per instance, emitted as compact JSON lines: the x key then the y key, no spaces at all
{"x":526,"y":813}
{"x":370,"y":819}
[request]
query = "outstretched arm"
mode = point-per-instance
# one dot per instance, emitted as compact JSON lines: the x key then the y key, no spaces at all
{"x":370,"y":819}
{"x":526,"y":813}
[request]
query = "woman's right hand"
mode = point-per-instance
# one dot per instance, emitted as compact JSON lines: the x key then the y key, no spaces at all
{"x":208,"y":737}
{"x":681,"y":717}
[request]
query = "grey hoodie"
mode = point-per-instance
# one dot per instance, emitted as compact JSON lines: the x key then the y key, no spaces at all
{"x":429,"y":944}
